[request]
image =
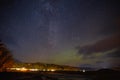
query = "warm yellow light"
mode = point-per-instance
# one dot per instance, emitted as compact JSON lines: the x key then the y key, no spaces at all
{"x":44,"y":70}
{"x":52,"y":70}
{"x":33,"y":69}
{"x":23,"y":69}
{"x":48,"y":69}
{"x":17,"y":69}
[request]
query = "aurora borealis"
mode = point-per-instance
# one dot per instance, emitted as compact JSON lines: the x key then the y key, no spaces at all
{"x":67,"y":32}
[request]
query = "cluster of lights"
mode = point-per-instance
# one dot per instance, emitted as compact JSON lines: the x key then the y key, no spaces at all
{"x":19,"y":69}
{"x":33,"y":69}
{"x":51,"y":70}
{"x":23,"y":69}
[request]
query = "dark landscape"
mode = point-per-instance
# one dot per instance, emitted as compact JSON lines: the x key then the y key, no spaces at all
{"x":103,"y":74}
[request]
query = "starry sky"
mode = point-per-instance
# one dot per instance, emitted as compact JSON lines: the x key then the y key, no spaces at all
{"x":66,"y":32}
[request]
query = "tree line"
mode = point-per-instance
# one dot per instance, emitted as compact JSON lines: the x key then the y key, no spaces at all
{"x":6,"y":58}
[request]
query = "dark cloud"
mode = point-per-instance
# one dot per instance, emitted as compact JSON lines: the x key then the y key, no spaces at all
{"x":85,"y":65}
{"x":114,"y":54}
{"x":99,"y":62}
{"x":103,"y":64}
{"x":109,"y":43}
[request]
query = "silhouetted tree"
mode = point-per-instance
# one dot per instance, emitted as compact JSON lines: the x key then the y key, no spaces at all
{"x":6,"y":59}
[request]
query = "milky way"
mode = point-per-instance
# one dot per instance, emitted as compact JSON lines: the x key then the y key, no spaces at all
{"x":60,"y":31}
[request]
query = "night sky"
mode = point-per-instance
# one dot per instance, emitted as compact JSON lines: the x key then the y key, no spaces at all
{"x":67,"y":32}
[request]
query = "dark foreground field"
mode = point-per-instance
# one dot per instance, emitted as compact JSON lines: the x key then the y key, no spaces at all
{"x":61,"y":75}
